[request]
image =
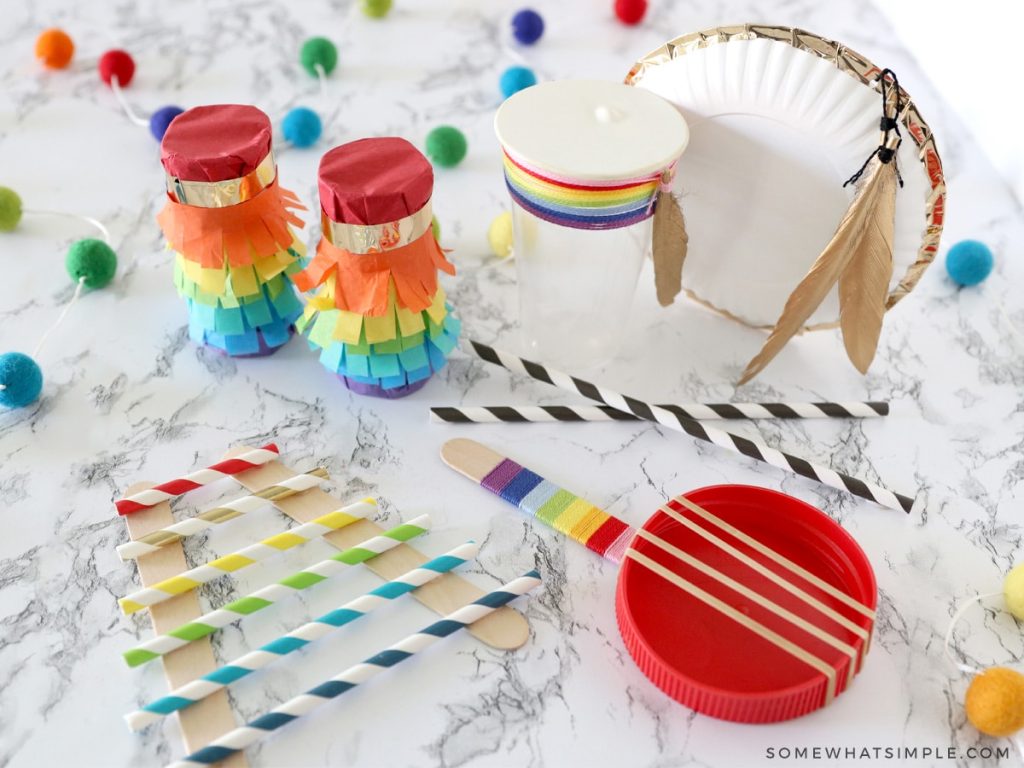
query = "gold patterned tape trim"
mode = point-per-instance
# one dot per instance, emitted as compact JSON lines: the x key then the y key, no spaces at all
{"x":222,"y":194}
{"x":374,"y":238}
{"x":742,"y":619}
{"x":860,"y":68}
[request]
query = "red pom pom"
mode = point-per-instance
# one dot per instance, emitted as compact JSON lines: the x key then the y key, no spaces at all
{"x":117,"y":63}
{"x":630,"y":11}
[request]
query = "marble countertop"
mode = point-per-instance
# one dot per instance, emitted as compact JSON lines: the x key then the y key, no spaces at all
{"x":128,"y":397}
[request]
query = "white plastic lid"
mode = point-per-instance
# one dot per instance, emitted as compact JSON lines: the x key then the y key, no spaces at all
{"x":592,"y":130}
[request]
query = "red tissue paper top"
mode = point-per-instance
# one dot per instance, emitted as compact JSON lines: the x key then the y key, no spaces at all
{"x":374,"y":181}
{"x":219,"y":142}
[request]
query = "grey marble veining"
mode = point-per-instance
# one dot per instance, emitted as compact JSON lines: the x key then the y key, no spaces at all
{"x":128,"y":397}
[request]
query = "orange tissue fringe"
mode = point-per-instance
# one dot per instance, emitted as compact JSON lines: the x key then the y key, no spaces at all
{"x":362,"y":279}
{"x":243,"y":233}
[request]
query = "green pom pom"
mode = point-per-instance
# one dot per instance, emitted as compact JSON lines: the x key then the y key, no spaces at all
{"x":10,"y":209}
{"x":435,"y":227}
{"x":446,"y":146}
{"x":318,"y":50}
{"x":93,"y":260}
{"x":376,"y":9}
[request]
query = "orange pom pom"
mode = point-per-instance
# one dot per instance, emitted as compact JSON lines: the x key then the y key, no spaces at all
{"x":54,"y":48}
{"x":995,"y":701}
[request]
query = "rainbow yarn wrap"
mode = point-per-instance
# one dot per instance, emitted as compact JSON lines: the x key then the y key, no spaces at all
{"x":584,"y":205}
{"x":564,"y":511}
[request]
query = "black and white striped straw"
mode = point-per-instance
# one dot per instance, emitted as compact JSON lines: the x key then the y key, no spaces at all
{"x":521,"y":414}
{"x":755,"y":449}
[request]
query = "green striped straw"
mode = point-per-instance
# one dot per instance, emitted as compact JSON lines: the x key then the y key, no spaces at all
{"x":257,"y":601}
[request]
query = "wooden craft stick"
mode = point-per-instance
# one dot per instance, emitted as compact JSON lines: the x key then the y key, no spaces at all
{"x":505,"y":629}
{"x":211,"y":718}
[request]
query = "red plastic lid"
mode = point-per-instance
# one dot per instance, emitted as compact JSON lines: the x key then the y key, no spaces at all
{"x":711,"y":662}
{"x":374,"y":181}
{"x":216,"y":143}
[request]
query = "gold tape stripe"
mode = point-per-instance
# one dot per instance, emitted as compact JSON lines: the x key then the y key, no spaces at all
{"x":769,"y":574}
{"x":754,"y":626}
{"x":764,"y":602}
{"x":786,"y":563}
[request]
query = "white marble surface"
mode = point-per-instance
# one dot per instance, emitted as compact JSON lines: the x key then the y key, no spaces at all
{"x":128,"y":397}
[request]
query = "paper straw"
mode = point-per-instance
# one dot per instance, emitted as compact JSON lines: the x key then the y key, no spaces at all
{"x":240,"y":738}
{"x":521,"y":414}
{"x":243,"y":558}
{"x":165,"y":491}
{"x":151,"y":542}
{"x":260,"y":599}
{"x":754,"y":448}
{"x":197,"y":690}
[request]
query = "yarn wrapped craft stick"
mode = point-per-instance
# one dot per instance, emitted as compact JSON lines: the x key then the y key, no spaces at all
{"x":753,"y":448}
{"x":522,"y":414}
{"x":257,"y":729}
{"x":243,"y":558}
{"x":172,"y":488}
{"x":151,"y":542}
{"x":260,"y":599}
{"x":197,"y":690}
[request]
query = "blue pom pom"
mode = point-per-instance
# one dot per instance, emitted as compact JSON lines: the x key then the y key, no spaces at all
{"x":514,"y":79}
{"x":302,"y":127}
{"x":969,"y":262}
{"x":160,"y":119}
{"x":527,"y":26}
{"x":21,"y":379}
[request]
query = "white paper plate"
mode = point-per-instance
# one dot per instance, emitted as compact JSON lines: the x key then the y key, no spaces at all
{"x":779,"y":118}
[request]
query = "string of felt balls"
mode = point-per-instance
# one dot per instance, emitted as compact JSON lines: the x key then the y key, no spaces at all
{"x":91,"y":263}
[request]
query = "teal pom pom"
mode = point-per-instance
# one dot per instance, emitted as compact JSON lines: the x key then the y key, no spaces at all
{"x":515,"y":79}
{"x":93,"y":260}
{"x":10,"y":209}
{"x":375,"y":9}
{"x":969,"y":262}
{"x":21,"y":379}
{"x":318,"y":50}
{"x":302,"y":127}
{"x":446,"y":146}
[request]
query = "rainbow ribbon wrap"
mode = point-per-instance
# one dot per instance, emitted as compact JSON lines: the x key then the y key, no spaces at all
{"x":590,"y":205}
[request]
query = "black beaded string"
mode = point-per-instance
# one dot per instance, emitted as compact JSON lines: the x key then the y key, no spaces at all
{"x":886,"y":124}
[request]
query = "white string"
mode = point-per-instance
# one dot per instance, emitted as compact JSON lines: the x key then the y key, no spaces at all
{"x":115,"y":86}
{"x":947,"y":647}
{"x":63,"y":314}
{"x":104,"y":232}
{"x":321,"y":75}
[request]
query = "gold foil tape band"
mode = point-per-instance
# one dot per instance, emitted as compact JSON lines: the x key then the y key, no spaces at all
{"x":222,"y":194}
{"x":374,"y":238}
{"x":742,"y":619}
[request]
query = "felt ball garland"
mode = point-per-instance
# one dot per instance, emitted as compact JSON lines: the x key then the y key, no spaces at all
{"x":515,"y":79}
{"x":630,"y":12}
{"x":54,"y":48}
{"x":90,"y":263}
{"x":318,"y":53}
{"x":160,"y":120}
{"x":527,"y":26}
{"x":994,"y":702}
{"x":375,"y":9}
{"x":116,"y":65}
{"x":969,"y":262}
{"x":302,"y":127}
{"x":446,"y":146}
{"x":499,"y":235}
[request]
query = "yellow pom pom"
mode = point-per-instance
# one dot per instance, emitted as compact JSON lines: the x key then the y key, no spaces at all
{"x":499,"y":235}
{"x":995,"y":701}
{"x":1013,"y":591}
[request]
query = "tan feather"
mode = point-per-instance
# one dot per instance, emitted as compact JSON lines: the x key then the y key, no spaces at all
{"x":669,"y":245}
{"x":825,"y":271}
{"x":864,"y":284}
